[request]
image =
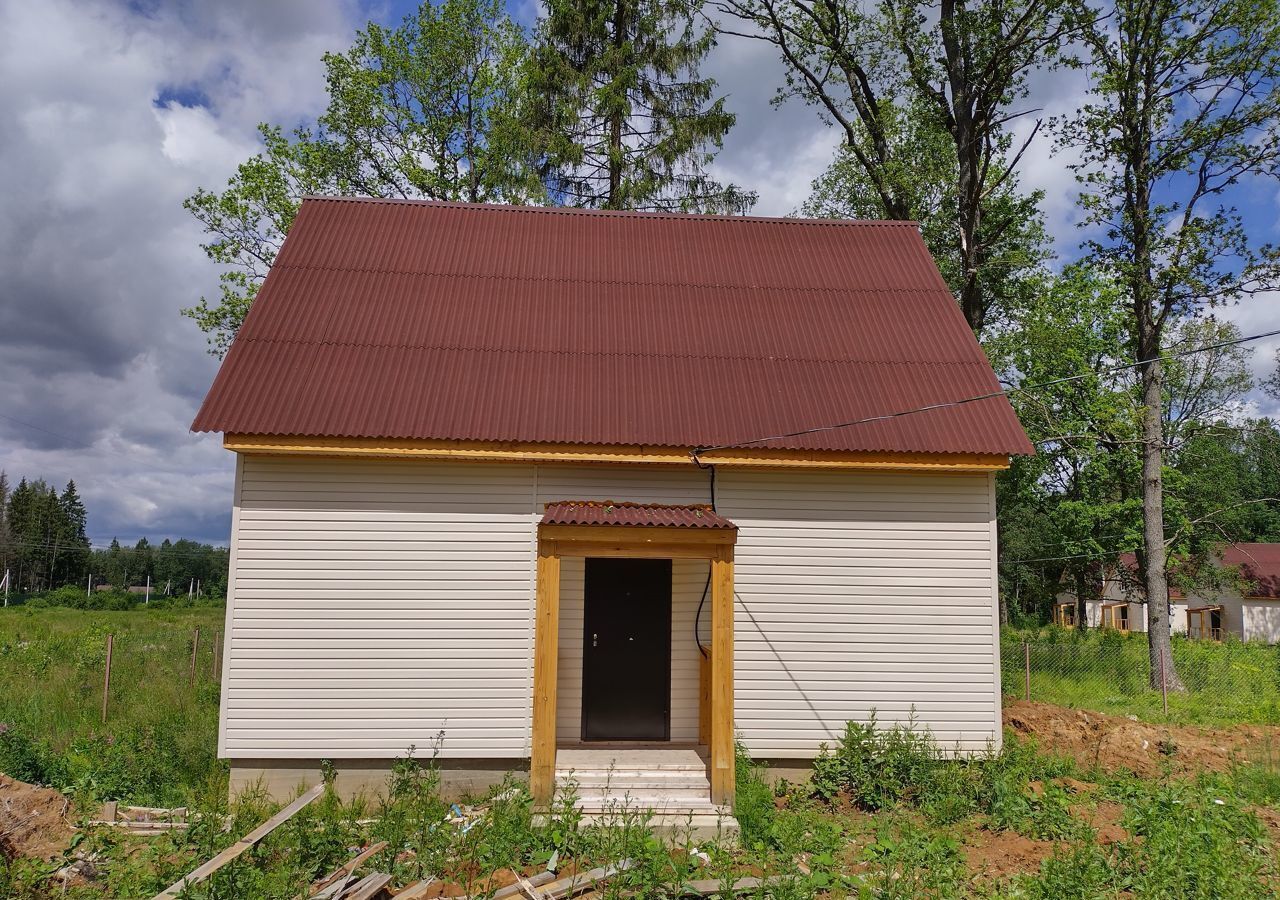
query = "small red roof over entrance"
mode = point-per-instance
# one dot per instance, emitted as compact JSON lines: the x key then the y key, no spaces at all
{"x":437,"y":321}
{"x":606,"y":512}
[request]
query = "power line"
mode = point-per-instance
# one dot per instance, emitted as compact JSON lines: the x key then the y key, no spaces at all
{"x":1003,"y":392}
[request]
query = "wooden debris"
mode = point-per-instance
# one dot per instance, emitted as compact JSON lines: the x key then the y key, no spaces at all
{"x":347,"y":869}
{"x":536,"y":881}
{"x":418,"y":890}
{"x":709,"y":887}
{"x":141,"y":820}
{"x":529,"y":890}
{"x":575,"y":884}
{"x":368,"y":888}
{"x":240,"y":846}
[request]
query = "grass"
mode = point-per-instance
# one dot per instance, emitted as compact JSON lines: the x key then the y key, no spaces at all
{"x":159,"y":742}
{"x":887,"y":814}
{"x":1227,"y":683}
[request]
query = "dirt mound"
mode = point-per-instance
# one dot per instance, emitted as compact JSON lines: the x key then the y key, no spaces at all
{"x":32,"y":820}
{"x":1117,"y":742}
{"x":1002,"y":854}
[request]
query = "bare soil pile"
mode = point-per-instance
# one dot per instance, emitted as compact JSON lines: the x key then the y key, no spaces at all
{"x":33,"y":821}
{"x":1117,"y":742}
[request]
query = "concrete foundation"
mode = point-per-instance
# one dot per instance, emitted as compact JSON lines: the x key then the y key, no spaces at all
{"x":796,"y":771}
{"x":282,"y":778}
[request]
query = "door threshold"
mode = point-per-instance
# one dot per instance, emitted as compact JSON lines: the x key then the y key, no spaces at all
{"x":631,"y":745}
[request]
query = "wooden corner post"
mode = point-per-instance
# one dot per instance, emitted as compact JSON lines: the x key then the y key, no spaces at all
{"x":546,"y":639}
{"x":722,"y":774}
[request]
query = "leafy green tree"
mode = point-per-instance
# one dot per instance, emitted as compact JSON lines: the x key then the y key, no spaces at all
{"x":1068,"y":511}
{"x":1183,"y":112}
{"x":429,"y":109}
{"x":924,"y":167}
{"x":618,"y":107}
{"x":964,"y":64}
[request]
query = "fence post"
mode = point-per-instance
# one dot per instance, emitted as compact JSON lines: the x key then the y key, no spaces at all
{"x":1164,"y":685}
{"x":217,"y":652}
{"x":106,"y":681}
{"x":1026,"y":662}
{"x":195,"y":648}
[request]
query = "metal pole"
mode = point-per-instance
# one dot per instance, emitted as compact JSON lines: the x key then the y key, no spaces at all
{"x":88,"y":591}
{"x":147,"y":600}
{"x":195,"y":648}
{"x":106,"y":681}
{"x":6,"y":587}
{"x":1026,"y":662}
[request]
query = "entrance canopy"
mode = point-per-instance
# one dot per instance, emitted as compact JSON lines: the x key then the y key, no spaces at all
{"x":604,"y":528}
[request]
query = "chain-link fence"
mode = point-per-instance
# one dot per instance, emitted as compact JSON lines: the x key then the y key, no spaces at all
{"x":1211,"y":682}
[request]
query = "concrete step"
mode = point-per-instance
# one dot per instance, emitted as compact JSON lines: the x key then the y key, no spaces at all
{"x":697,"y":826}
{"x":665,"y":805}
{"x":655,"y":780}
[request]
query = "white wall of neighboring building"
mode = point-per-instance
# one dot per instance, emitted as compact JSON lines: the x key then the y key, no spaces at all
{"x":376,"y":603}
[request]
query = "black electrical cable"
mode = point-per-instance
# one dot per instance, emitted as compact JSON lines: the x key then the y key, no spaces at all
{"x":697,"y":617}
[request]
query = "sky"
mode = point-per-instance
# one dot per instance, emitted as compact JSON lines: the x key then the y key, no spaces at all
{"x":114,"y":112}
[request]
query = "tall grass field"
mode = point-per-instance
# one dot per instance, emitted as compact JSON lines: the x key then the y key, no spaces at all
{"x":1222,"y":683}
{"x":159,"y":740}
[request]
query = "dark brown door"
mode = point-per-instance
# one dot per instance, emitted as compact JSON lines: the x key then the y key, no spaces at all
{"x":626,"y":666}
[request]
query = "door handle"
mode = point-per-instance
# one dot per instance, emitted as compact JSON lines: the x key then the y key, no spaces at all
{"x":595,"y":640}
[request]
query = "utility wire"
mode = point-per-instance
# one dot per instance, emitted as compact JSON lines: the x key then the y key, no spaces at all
{"x":1003,"y":392}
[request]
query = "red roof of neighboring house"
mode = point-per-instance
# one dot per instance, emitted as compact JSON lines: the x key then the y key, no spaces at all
{"x":607,"y":512}
{"x":1260,"y":564}
{"x":1130,"y":562}
{"x":440,"y":321}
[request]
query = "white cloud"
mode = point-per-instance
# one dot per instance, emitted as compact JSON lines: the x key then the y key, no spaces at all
{"x":96,"y":253}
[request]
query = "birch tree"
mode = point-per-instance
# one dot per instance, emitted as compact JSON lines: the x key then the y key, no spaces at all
{"x":1183,"y":115}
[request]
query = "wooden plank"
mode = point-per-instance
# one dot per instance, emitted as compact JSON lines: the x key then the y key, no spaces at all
{"x":575,"y":884}
{"x":542,"y":762}
{"x":372,"y":885}
{"x":240,"y":846}
{"x":417,"y":890}
{"x":721,"y":746}
{"x":349,"y":867}
{"x":704,"y":698}
{"x":536,"y":880}
{"x":628,"y":454}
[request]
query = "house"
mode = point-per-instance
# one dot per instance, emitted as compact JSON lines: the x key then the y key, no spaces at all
{"x":573,"y":490}
{"x":1248,"y":609}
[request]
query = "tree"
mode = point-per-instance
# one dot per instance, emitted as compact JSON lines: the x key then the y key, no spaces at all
{"x":1183,"y":111}
{"x":965,"y":64}
{"x":426,"y":110}
{"x":620,"y":111}
{"x":1067,"y":513}
{"x":71,"y":539}
{"x":6,"y":538}
{"x":924,"y":169}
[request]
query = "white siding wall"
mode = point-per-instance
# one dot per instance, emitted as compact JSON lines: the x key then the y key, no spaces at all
{"x":377,"y":603}
{"x":858,"y":592}
{"x":374,"y":603}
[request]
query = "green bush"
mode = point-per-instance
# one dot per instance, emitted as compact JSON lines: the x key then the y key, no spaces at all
{"x":877,"y":767}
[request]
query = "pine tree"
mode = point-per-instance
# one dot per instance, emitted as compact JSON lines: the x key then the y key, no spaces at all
{"x":620,"y":112}
{"x":72,"y":537}
{"x":6,"y":540}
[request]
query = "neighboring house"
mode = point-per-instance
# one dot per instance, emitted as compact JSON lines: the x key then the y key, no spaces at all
{"x":513,"y":476}
{"x":1249,"y":614}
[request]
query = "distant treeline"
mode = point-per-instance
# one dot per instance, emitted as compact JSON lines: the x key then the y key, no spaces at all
{"x":43,"y":545}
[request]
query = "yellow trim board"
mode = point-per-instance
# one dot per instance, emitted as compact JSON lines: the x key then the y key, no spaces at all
{"x":524,"y":452}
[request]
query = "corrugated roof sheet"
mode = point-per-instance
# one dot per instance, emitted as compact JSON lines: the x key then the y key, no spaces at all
{"x":400,"y":319}
{"x":1260,"y":564}
{"x":608,"y":512}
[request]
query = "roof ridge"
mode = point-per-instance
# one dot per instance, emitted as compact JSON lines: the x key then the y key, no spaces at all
{"x":599,"y":353}
{"x":720,"y":286}
{"x":606,"y":213}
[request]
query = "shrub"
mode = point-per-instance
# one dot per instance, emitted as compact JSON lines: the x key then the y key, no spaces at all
{"x":877,"y":767}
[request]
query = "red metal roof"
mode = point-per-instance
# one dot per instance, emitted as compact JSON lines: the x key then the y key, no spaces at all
{"x":1260,"y":564}
{"x":607,"y":512}
{"x":421,"y":320}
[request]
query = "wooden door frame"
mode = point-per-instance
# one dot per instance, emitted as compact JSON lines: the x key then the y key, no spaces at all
{"x":635,"y":541}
